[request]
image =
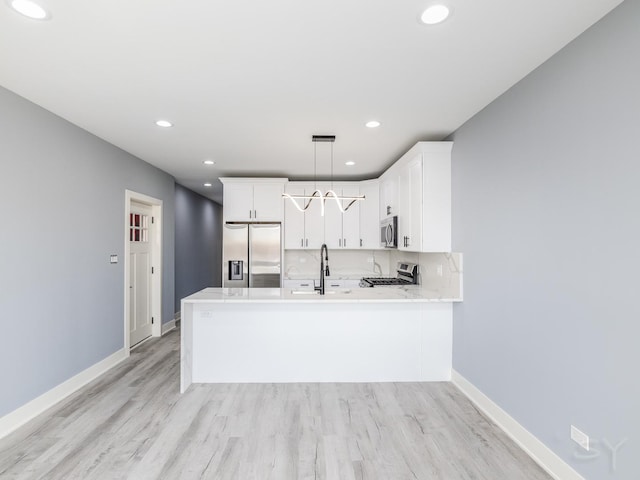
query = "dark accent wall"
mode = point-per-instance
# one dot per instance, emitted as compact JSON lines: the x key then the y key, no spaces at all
{"x":198,"y":243}
{"x":62,"y":212}
{"x":546,"y":208}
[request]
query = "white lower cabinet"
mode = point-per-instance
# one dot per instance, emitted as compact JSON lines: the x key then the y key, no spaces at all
{"x":330,"y":283}
{"x":306,"y":284}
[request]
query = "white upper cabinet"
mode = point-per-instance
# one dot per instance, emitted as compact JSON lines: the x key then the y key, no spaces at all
{"x":410,"y":205}
{"x":389,"y":193}
{"x":253,"y":199}
{"x":303,"y":230}
{"x":436,"y":197}
{"x":422,"y":195}
{"x":416,"y":189}
{"x":342,"y":230}
{"x":294,"y":235}
{"x":370,"y":215}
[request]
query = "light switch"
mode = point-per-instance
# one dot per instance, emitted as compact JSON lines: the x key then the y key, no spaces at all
{"x":113,"y":259}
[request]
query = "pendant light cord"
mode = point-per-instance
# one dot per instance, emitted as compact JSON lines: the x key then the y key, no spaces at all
{"x":331,"y":165}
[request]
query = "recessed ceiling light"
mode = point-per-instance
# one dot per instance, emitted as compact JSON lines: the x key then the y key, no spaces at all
{"x":207,"y":184}
{"x":209,"y":162}
{"x":435,"y":14}
{"x":164,"y":123}
{"x":373,"y":124}
{"x":350,"y":163}
{"x":30,"y":9}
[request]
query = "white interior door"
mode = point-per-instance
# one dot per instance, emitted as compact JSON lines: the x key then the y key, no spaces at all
{"x":139,"y":273}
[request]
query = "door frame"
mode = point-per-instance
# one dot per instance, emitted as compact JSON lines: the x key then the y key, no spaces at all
{"x":155,"y":242}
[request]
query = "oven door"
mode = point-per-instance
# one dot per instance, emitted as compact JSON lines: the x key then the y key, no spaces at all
{"x":389,"y":232}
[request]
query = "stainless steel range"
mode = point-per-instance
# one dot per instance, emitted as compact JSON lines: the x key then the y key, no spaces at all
{"x":407,"y":274}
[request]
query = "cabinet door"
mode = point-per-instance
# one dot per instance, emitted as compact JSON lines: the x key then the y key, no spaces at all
{"x":333,"y":222}
{"x":389,"y":195}
{"x":238,"y":202}
{"x":267,"y":202}
{"x":314,"y":221}
{"x":342,"y":230}
{"x":330,"y":283}
{"x":306,"y":284}
{"x":410,"y":206}
{"x":369,"y":215}
{"x":294,"y":236}
{"x":351,"y":219}
{"x":436,"y":236}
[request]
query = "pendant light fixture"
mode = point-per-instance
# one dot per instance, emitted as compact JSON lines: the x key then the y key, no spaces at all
{"x":317,"y":194}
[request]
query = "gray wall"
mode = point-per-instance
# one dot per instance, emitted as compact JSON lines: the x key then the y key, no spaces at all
{"x":546,"y":199}
{"x":198,"y":243}
{"x":62,"y":206}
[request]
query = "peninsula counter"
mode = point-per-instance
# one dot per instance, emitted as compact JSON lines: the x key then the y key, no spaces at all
{"x":277,"y":335}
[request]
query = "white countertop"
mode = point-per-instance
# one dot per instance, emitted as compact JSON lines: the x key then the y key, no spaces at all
{"x":289,"y":295}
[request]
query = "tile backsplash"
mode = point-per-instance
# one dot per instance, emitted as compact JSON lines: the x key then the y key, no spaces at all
{"x":439,"y":272}
{"x":343,"y":263}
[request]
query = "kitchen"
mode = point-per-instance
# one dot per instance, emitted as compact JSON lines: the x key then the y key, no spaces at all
{"x":412,"y":306}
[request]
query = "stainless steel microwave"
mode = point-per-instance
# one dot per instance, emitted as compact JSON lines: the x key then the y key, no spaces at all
{"x":389,"y":232}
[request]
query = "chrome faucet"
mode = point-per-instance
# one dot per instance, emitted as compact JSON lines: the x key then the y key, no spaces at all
{"x":324,"y":267}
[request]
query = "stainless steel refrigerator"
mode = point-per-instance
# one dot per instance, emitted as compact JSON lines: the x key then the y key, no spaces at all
{"x":252,"y":255}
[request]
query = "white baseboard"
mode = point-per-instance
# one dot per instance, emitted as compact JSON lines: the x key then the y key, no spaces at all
{"x":538,"y":451}
{"x":35,"y":407}
{"x":167,"y":327}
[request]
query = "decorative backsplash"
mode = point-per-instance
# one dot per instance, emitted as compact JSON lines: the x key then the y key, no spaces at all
{"x":343,"y":263}
{"x":439,"y":272}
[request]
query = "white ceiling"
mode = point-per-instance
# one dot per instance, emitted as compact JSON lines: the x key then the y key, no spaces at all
{"x":247,"y":83}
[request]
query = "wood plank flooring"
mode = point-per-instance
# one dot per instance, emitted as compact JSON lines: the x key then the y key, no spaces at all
{"x":132,"y":423}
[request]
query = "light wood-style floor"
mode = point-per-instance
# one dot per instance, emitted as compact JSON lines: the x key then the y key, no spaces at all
{"x":131,"y":423}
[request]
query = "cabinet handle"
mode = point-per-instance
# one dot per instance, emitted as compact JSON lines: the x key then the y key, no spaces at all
{"x":388,"y":209}
{"x":307,"y":242}
{"x":255,"y":214}
{"x":339,"y":242}
{"x":344,"y":242}
{"x":360,"y":242}
{"x":249,"y":213}
{"x":302,"y":242}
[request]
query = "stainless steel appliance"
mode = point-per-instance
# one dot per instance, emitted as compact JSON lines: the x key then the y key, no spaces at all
{"x":252,"y":255}
{"x":407,"y":274}
{"x":389,"y":232}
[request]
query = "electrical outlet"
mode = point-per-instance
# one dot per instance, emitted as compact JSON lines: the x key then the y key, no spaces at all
{"x":113,"y":259}
{"x":580,"y":438}
{"x":439,"y":270}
